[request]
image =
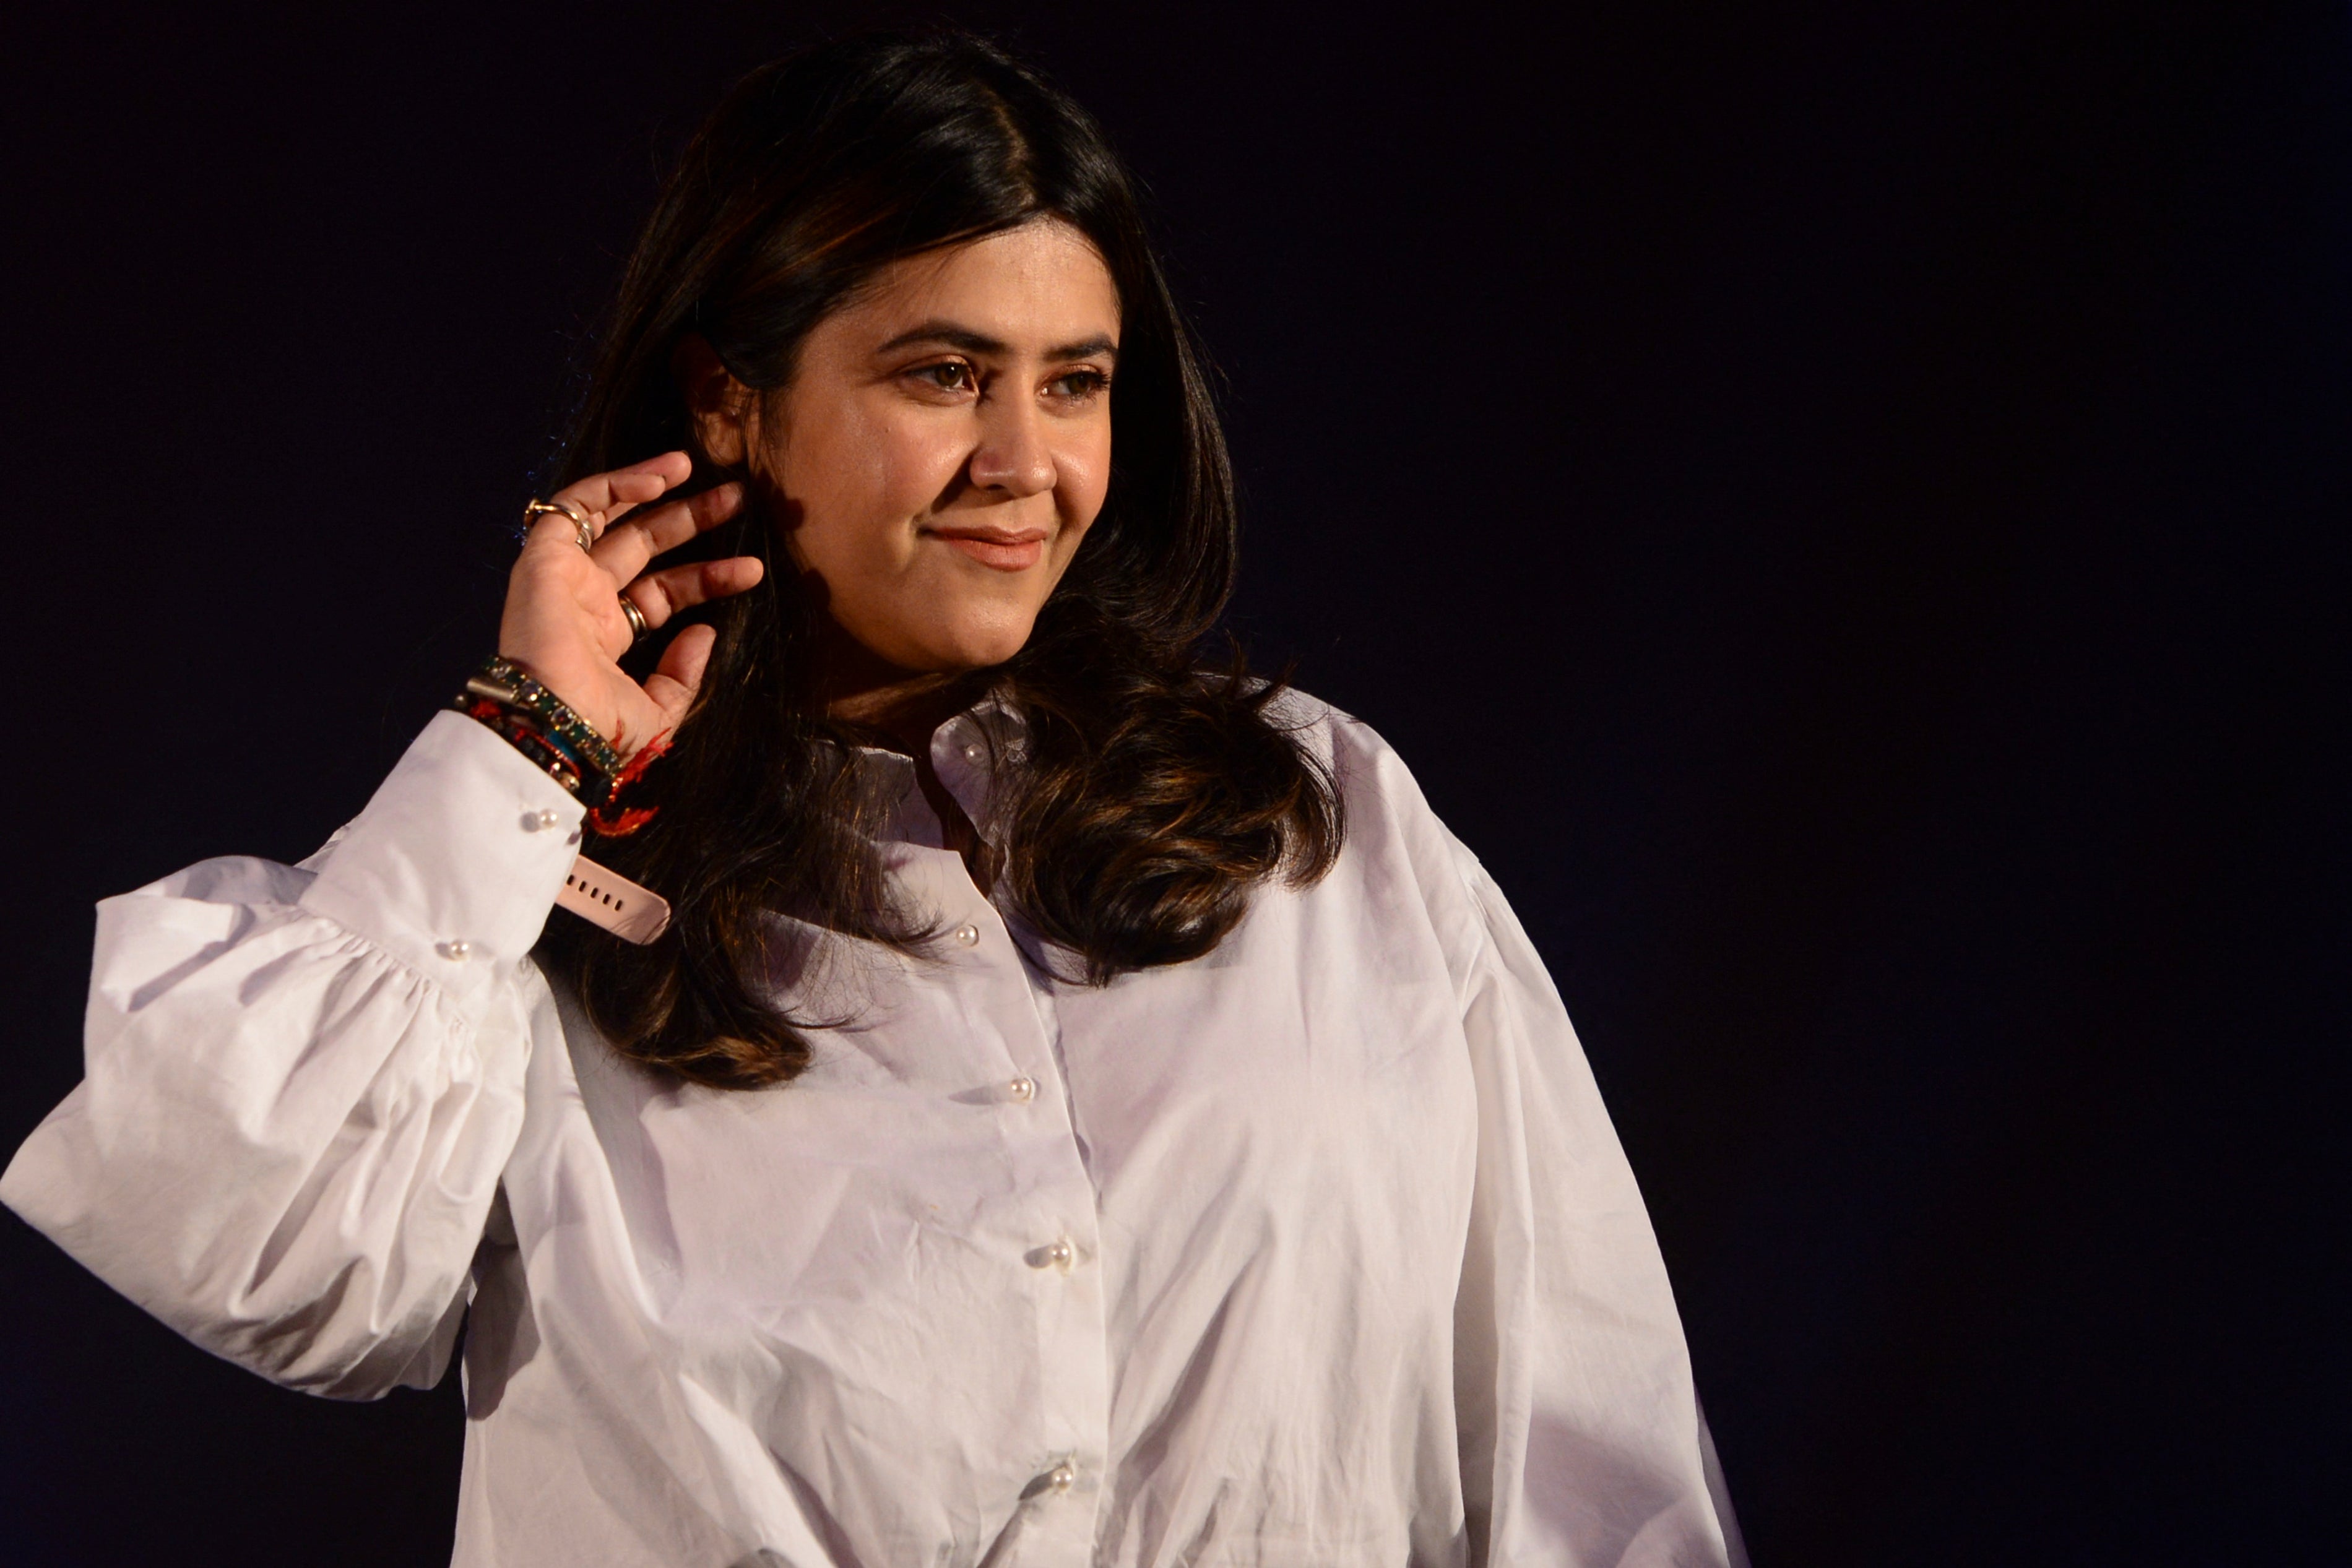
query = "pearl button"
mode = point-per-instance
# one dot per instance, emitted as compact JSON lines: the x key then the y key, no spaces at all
{"x":536,"y":822}
{"x":967,"y":935}
{"x":970,"y":753}
{"x":1061,"y":1478}
{"x":1024,"y":1089}
{"x":455,"y":952}
{"x":1055,"y":1255}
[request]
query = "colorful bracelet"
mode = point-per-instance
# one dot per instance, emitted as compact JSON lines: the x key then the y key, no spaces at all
{"x":543,"y":727}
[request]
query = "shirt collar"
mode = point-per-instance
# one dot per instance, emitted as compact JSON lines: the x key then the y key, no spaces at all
{"x":968,"y":751}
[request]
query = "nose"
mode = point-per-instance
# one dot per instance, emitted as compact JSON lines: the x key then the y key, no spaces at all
{"x":1013,"y":458}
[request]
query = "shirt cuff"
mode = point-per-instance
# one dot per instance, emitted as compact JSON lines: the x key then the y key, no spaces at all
{"x":458,"y":859}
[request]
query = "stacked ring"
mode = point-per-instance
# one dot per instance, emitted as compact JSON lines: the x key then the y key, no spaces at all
{"x":583,"y":534}
{"x":637,"y":620}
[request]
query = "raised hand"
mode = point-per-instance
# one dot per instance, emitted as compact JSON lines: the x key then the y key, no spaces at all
{"x":563,"y":621}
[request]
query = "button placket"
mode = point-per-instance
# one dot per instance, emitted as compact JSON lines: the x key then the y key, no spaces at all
{"x":1073,"y":1357}
{"x":1060,"y":1254}
{"x":1050,"y":1229}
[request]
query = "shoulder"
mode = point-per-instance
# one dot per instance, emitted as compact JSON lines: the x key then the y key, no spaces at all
{"x":1370,"y":773}
{"x":1330,"y":734}
{"x":1395,"y":837}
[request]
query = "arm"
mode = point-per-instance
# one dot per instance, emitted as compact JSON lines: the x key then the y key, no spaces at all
{"x":1582,"y":1439}
{"x":302,"y":1084}
{"x":300,"y":1090}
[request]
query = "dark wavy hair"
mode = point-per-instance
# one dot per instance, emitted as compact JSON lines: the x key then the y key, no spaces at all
{"x":1152,"y":794}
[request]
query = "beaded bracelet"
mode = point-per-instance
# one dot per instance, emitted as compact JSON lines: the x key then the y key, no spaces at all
{"x":543,"y":727}
{"x":517,"y":732}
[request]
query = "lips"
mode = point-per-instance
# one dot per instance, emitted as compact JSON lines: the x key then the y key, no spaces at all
{"x":1001,"y":550}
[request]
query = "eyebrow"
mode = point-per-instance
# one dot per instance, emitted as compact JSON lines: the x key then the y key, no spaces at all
{"x":971,"y":342}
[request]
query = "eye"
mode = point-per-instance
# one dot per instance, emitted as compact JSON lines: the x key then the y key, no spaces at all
{"x":1076,"y":386}
{"x":947,"y":375}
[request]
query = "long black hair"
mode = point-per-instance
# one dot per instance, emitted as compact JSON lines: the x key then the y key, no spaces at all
{"x":1150,"y":795}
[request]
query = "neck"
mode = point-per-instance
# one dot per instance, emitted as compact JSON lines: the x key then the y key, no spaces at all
{"x":862,"y":687}
{"x":904,"y":707}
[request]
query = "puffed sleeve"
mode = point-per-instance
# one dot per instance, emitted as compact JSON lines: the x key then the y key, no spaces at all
{"x":1581,"y":1438}
{"x":301,"y":1084}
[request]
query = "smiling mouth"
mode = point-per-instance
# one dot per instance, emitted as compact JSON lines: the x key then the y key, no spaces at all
{"x":1001,"y":549}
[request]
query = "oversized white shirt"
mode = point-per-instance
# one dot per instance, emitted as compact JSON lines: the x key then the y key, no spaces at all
{"x":1317,"y":1251}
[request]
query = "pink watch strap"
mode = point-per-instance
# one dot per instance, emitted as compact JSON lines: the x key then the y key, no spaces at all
{"x":603,"y":898}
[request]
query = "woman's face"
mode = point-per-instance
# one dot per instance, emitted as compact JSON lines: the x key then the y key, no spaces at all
{"x":944,"y":443}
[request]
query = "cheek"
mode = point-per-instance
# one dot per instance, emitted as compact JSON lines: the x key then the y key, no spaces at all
{"x":1082,"y":474}
{"x":859,"y":478}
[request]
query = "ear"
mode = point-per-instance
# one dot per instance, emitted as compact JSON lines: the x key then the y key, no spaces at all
{"x":721,"y":410}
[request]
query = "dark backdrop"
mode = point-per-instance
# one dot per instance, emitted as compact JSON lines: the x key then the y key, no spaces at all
{"x":1842,"y":506}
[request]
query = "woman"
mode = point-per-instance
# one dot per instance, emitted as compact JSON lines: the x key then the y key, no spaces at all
{"x":1080,"y":1108}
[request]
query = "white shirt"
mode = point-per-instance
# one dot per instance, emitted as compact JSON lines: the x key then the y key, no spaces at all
{"x":1317,"y":1251}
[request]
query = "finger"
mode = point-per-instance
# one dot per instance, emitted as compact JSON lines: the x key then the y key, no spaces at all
{"x":625,"y":549}
{"x":673,"y":683}
{"x":642,"y":537}
{"x":661,"y":594}
{"x":549,"y":531}
{"x":599,"y":500}
{"x":608,"y":494}
{"x":619,"y":495}
{"x":605,"y":497}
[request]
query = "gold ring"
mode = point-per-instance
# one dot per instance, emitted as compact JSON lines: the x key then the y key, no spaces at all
{"x":583,"y":534}
{"x":637,"y":620}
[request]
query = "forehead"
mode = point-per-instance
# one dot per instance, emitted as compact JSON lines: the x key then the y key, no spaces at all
{"x":1040,"y":284}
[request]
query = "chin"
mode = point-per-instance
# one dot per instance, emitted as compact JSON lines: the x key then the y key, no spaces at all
{"x":975,"y":647}
{"x":982,"y":652}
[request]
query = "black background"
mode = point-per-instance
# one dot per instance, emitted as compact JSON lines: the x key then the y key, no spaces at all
{"x":1842,"y":508}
